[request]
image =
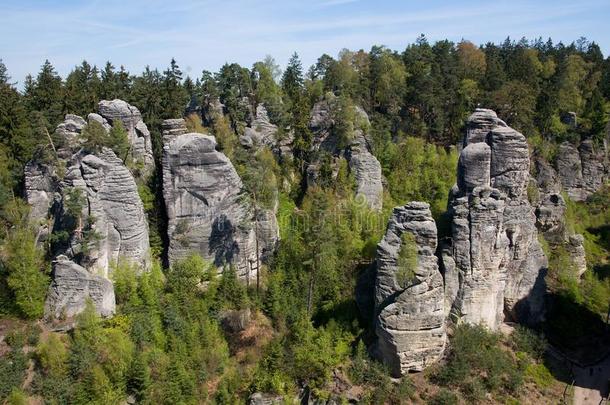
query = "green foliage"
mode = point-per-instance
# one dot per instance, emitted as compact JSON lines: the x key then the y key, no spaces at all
{"x":26,"y":271}
{"x":94,"y":137}
{"x":17,"y":397}
{"x":477,"y":364}
{"x":12,"y":371}
{"x":52,"y":355}
{"x":435,"y":168}
{"x":407,"y":260}
{"x":443,"y":397}
{"x":230,"y":293}
{"x":185,"y":275}
{"x":528,"y":341}
{"x":317,"y":351}
{"x":118,"y":140}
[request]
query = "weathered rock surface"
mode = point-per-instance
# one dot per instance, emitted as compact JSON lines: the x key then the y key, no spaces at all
{"x":41,"y":183}
{"x":367,"y":173}
{"x":69,"y":130}
{"x":173,"y":127}
{"x":111,"y":202}
{"x":112,"y":226}
{"x":410,"y":318}
{"x":362,"y":163}
{"x":494,"y":262}
{"x":72,"y":286}
{"x":112,"y":199}
{"x":582,"y":170}
{"x":137,"y":132}
{"x":576,"y":249}
{"x":261,"y":131}
{"x":208,"y":212}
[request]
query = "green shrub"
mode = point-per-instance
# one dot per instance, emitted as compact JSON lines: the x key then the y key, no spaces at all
{"x":477,"y":364}
{"x":407,"y":260}
{"x":443,"y":397}
{"x":528,"y":341}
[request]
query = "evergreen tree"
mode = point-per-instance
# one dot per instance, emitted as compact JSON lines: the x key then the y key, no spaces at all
{"x":23,"y":263}
{"x":45,"y":94}
{"x":175,"y":97}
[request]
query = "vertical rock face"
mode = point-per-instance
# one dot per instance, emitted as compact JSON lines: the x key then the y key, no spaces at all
{"x":367,"y":173}
{"x":582,"y":170}
{"x":72,"y":285}
{"x":494,"y":263}
{"x":207,"y":210}
{"x":41,"y":184}
{"x":139,"y":136}
{"x":112,"y":226}
{"x":363,"y":164}
{"x":261,"y":131}
{"x":113,"y":202}
{"x":410,"y":314}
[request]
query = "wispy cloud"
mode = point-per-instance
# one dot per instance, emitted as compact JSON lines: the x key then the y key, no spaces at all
{"x":206,"y":33}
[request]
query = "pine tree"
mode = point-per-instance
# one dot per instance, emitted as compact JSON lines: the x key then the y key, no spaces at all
{"x":139,"y":380}
{"x":175,"y":96}
{"x":45,"y":94}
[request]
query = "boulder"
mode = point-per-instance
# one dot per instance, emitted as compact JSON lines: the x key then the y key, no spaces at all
{"x":576,"y":249}
{"x":41,"y":184}
{"x":479,"y":124}
{"x":137,"y":132}
{"x":550,"y":217}
{"x":72,"y":286}
{"x":594,"y":167}
{"x":410,"y":314}
{"x":69,"y":130}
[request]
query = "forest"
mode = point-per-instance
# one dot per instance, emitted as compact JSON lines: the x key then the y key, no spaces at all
{"x":308,"y":337}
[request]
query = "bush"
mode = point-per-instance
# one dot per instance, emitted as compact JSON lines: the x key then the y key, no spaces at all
{"x":443,"y":397}
{"x":477,"y":364}
{"x":528,"y":341}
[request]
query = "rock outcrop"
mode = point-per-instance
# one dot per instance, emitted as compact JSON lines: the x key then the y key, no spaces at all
{"x":363,"y":164}
{"x":208,"y":211}
{"x":72,"y":286}
{"x":111,"y":208}
{"x":582,"y":170}
{"x":410,"y":314}
{"x":367,"y":173}
{"x":137,"y":132}
{"x":114,"y":209}
{"x":261,"y":131}
{"x":494,"y":262}
{"x":90,"y":203}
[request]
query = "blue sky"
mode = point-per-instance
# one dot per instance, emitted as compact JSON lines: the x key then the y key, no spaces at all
{"x":203,"y":34}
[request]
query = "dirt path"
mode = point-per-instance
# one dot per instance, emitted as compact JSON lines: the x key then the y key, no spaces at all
{"x":591,"y":383}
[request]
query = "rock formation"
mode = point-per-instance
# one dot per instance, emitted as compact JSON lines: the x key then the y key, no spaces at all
{"x":582,"y":170}
{"x":494,"y":262}
{"x":208,"y":212}
{"x":137,"y":132}
{"x":72,"y":285}
{"x":261,"y":131}
{"x":90,"y":203}
{"x":362,"y":163}
{"x":367,"y":172}
{"x":117,"y":213}
{"x":410,"y":314}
